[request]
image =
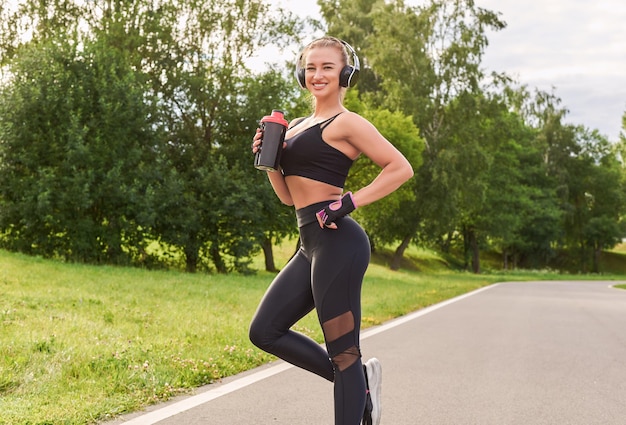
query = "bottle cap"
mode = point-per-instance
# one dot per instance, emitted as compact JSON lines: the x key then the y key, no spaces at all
{"x":277,"y":117}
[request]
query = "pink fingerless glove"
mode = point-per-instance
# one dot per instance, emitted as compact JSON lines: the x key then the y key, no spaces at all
{"x":336,"y":210}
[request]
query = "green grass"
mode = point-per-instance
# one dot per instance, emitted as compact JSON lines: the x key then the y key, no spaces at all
{"x":81,"y":343}
{"x":614,"y":260}
{"x":620,"y":248}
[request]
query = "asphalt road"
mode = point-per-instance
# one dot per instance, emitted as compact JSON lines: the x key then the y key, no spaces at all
{"x":530,"y":353}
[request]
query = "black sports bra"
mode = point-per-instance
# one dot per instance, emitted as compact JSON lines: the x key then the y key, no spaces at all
{"x":308,"y":155}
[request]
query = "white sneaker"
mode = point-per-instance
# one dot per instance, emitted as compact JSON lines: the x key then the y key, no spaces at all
{"x":373,"y":379}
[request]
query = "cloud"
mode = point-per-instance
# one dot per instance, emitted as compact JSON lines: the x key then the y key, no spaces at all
{"x":576,"y":46}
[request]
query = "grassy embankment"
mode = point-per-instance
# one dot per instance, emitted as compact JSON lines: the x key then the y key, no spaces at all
{"x":81,"y":343}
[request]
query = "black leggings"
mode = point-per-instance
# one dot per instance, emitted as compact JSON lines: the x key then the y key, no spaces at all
{"x":326,"y":274}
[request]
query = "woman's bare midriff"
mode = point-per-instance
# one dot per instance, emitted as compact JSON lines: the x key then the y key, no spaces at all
{"x":305,"y":191}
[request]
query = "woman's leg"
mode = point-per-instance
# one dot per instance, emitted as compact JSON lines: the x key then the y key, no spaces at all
{"x":287,"y":300}
{"x":339,"y":262}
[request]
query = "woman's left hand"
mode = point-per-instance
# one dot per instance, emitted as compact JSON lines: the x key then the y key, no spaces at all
{"x":257,"y":140}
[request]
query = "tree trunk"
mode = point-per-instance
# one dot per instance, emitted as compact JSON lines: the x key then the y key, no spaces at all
{"x":582,"y":257}
{"x":216,"y":257}
{"x":466,"y":247}
{"x":596,"y":258}
{"x":268,"y":252}
{"x":505,"y":260}
{"x":191,"y":258}
{"x":473,"y":242}
{"x":396,"y":260}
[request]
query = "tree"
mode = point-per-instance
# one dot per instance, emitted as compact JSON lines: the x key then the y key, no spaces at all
{"x":433,"y":53}
{"x":75,"y":155}
{"x":514,"y":184}
{"x":262,"y":93}
{"x":196,"y":70}
{"x":468,"y":157}
{"x":186,"y":59}
{"x":596,"y":198}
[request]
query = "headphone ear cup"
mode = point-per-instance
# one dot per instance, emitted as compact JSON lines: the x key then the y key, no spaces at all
{"x":348,"y":76}
{"x":300,"y":77}
{"x":299,"y":73}
{"x":350,"y":73}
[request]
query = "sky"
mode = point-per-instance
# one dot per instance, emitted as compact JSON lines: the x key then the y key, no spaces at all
{"x":573,"y":48}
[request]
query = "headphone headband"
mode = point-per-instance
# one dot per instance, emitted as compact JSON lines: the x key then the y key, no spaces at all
{"x":349,"y":73}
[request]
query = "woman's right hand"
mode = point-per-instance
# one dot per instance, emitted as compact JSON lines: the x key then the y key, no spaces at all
{"x":257,"y":140}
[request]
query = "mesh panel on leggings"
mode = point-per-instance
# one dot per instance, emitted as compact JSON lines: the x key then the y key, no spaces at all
{"x":338,"y":332}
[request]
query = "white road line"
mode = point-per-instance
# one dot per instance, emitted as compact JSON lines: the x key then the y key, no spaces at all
{"x":419,"y":313}
{"x":196,"y":400}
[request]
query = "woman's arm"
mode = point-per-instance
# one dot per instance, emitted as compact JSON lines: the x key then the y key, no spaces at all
{"x":280,"y":187}
{"x":395,"y":168}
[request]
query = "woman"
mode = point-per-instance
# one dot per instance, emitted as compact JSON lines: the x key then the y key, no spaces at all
{"x":327,"y":271}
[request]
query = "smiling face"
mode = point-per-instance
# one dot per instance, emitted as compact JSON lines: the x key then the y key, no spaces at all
{"x":323,"y":66}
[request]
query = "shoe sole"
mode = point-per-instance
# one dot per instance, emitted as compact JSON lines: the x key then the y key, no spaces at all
{"x":374,"y":377}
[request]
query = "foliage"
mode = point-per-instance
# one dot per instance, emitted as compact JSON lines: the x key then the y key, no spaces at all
{"x":496,"y":169}
{"x":152,"y":111}
{"x":596,"y":199}
{"x":197,"y":73}
{"x":273,"y":221}
{"x":426,"y":59}
{"x":125,"y":131}
{"x":75,"y":154}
